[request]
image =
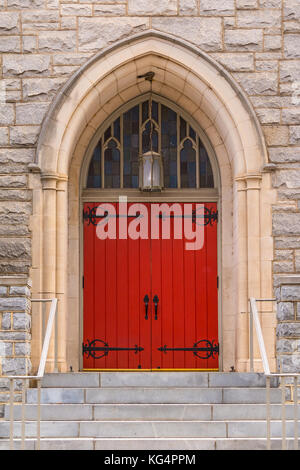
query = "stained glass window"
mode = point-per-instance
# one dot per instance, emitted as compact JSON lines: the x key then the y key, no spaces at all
{"x":115,"y":160}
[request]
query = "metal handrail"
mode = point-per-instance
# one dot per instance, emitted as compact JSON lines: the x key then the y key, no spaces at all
{"x":254,"y":319}
{"x":38,"y":378}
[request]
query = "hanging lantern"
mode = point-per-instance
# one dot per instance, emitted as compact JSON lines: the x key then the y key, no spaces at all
{"x":151,"y":171}
{"x":150,"y":163}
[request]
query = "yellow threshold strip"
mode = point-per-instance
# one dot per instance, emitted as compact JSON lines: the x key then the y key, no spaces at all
{"x":150,"y":370}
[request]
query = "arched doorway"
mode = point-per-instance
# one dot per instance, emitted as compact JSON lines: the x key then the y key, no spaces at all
{"x":200,"y":87}
{"x":150,"y":295}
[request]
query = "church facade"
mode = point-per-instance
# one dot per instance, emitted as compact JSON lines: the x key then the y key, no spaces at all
{"x":204,"y":95}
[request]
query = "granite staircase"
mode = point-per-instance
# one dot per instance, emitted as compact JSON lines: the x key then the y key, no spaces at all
{"x":151,"y":411}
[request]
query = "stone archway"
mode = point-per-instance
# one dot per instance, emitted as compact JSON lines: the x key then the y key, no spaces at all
{"x":206,"y":91}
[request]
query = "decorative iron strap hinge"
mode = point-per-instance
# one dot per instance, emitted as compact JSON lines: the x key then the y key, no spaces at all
{"x":211,"y":349}
{"x":91,"y":216}
{"x":90,"y":349}
{"x":209,"y":216}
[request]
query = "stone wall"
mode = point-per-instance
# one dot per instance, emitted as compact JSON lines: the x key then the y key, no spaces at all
{"x":43,"y":42}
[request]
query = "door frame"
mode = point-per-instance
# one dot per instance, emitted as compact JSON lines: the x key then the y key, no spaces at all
{"x":168,"y":195}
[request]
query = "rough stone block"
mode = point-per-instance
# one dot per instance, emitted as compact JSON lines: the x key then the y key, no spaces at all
{"x":29,"y":44}
{"x":24,"y":135}
{"x":7,"y":114}
{"x":16,"y":366}
{"x":22,"y":349}
{"x":236,"y":62}
{"x":268,"y":115}
{"x":25,"y":3}
{"x":52,"y":41}
{"x":76,"y":10}
{"x":19,"y":290}
{"x":287,"y":345}
{"x":243,"y":40}
{"x":290,"y":292}
{"x":259,"y":19}
{"x":276,"y":135}
{"x":217,"y":7}
{"x":40,"y":16}
{"x":97,"y":33}
{"x":188,"y":7}
{"x":246,"y":4}
{"x":286,"y":223}
{"x":283,"y":267}
{"x":43,"y":89}
{"x":22,"y":321}
{"x":155,"y":7}
{"x":259,"y":83}
{"x":9,"y":44}
{"x":297,"y":261}
{"x":287,"y":178}
{"x":291,"y":116}
{"x":291,"y":10}
{"x":110,"y":10}
{"x":16,"y":181}
{"x":6,"y":321}
{"x":6,"y":349}
{"x":289,"y":70}
{"x":284,"y":155}
{"x":204,"y":32}
{"x":32,"y":113}
{"x":291,"y":46}
{"x":26,"y":65}
{"x":9,"y":23}
{"x":14,"y":249}
{"x":272,"y":43}
{"x":295,"y":136}
{"x":285,"y":311}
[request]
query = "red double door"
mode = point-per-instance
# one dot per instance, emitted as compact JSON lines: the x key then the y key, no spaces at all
{"x":149,"y":303}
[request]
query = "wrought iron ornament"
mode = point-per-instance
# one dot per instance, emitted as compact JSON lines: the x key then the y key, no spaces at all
{"x":90,"y":349}
{"x":210,"y":348}
{"x":90,"y":215}
{"x":208,"y":218}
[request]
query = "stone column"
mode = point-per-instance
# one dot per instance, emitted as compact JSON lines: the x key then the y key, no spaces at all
{"x":49,"y":246}
{"x":61,"y":268}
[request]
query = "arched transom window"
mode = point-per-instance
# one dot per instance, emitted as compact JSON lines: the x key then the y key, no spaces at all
{"x":115,"y":159}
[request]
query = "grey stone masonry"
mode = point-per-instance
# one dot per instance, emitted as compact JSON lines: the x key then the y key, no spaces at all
{"x":15,"y":329}
{"x":288,"y":327}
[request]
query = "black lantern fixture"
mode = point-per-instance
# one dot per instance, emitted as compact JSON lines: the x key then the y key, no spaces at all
{"x":150,"y":162}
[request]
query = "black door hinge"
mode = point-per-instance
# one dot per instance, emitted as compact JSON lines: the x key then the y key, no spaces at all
{"x":83,"y":282}
{"x":217,"y":282}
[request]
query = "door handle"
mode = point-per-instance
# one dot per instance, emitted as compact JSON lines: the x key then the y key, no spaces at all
{"x":146,"y":302}
{"x":155,"y":300}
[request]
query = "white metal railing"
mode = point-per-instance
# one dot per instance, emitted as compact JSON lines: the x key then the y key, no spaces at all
{"x":254,"y":320}
{"x":46,"y":336}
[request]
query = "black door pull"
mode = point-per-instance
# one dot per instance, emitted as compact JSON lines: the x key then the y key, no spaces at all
{"x":155,"y":300}
{"x":146,"y":302}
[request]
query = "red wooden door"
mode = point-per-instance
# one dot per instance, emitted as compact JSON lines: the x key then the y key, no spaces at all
{"x":181,"y":323}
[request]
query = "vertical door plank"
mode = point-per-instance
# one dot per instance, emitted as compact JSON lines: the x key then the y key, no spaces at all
{"x":89,"y":289}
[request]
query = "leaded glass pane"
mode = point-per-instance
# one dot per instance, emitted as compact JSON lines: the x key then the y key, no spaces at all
{"x":112,"y":165}
{"x":94,"y":175}
{"x":169,"y":146}
{"x":188,"y":165}
{"x":205,"y":169}
{"x":164,"y":128}
{"x":131,"y":148}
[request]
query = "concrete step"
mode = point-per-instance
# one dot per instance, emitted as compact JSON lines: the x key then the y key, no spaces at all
{"x":153,"y":395}
{"x":150,"y":429}
{"x":151,"y":412}
{"x":149,"y":444}
{"x":155,"y":379}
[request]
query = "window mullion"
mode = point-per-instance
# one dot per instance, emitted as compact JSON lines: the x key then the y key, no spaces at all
{"x":121,"y":153}
{"x":178,"y":153}
{"x":102,"y":163}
